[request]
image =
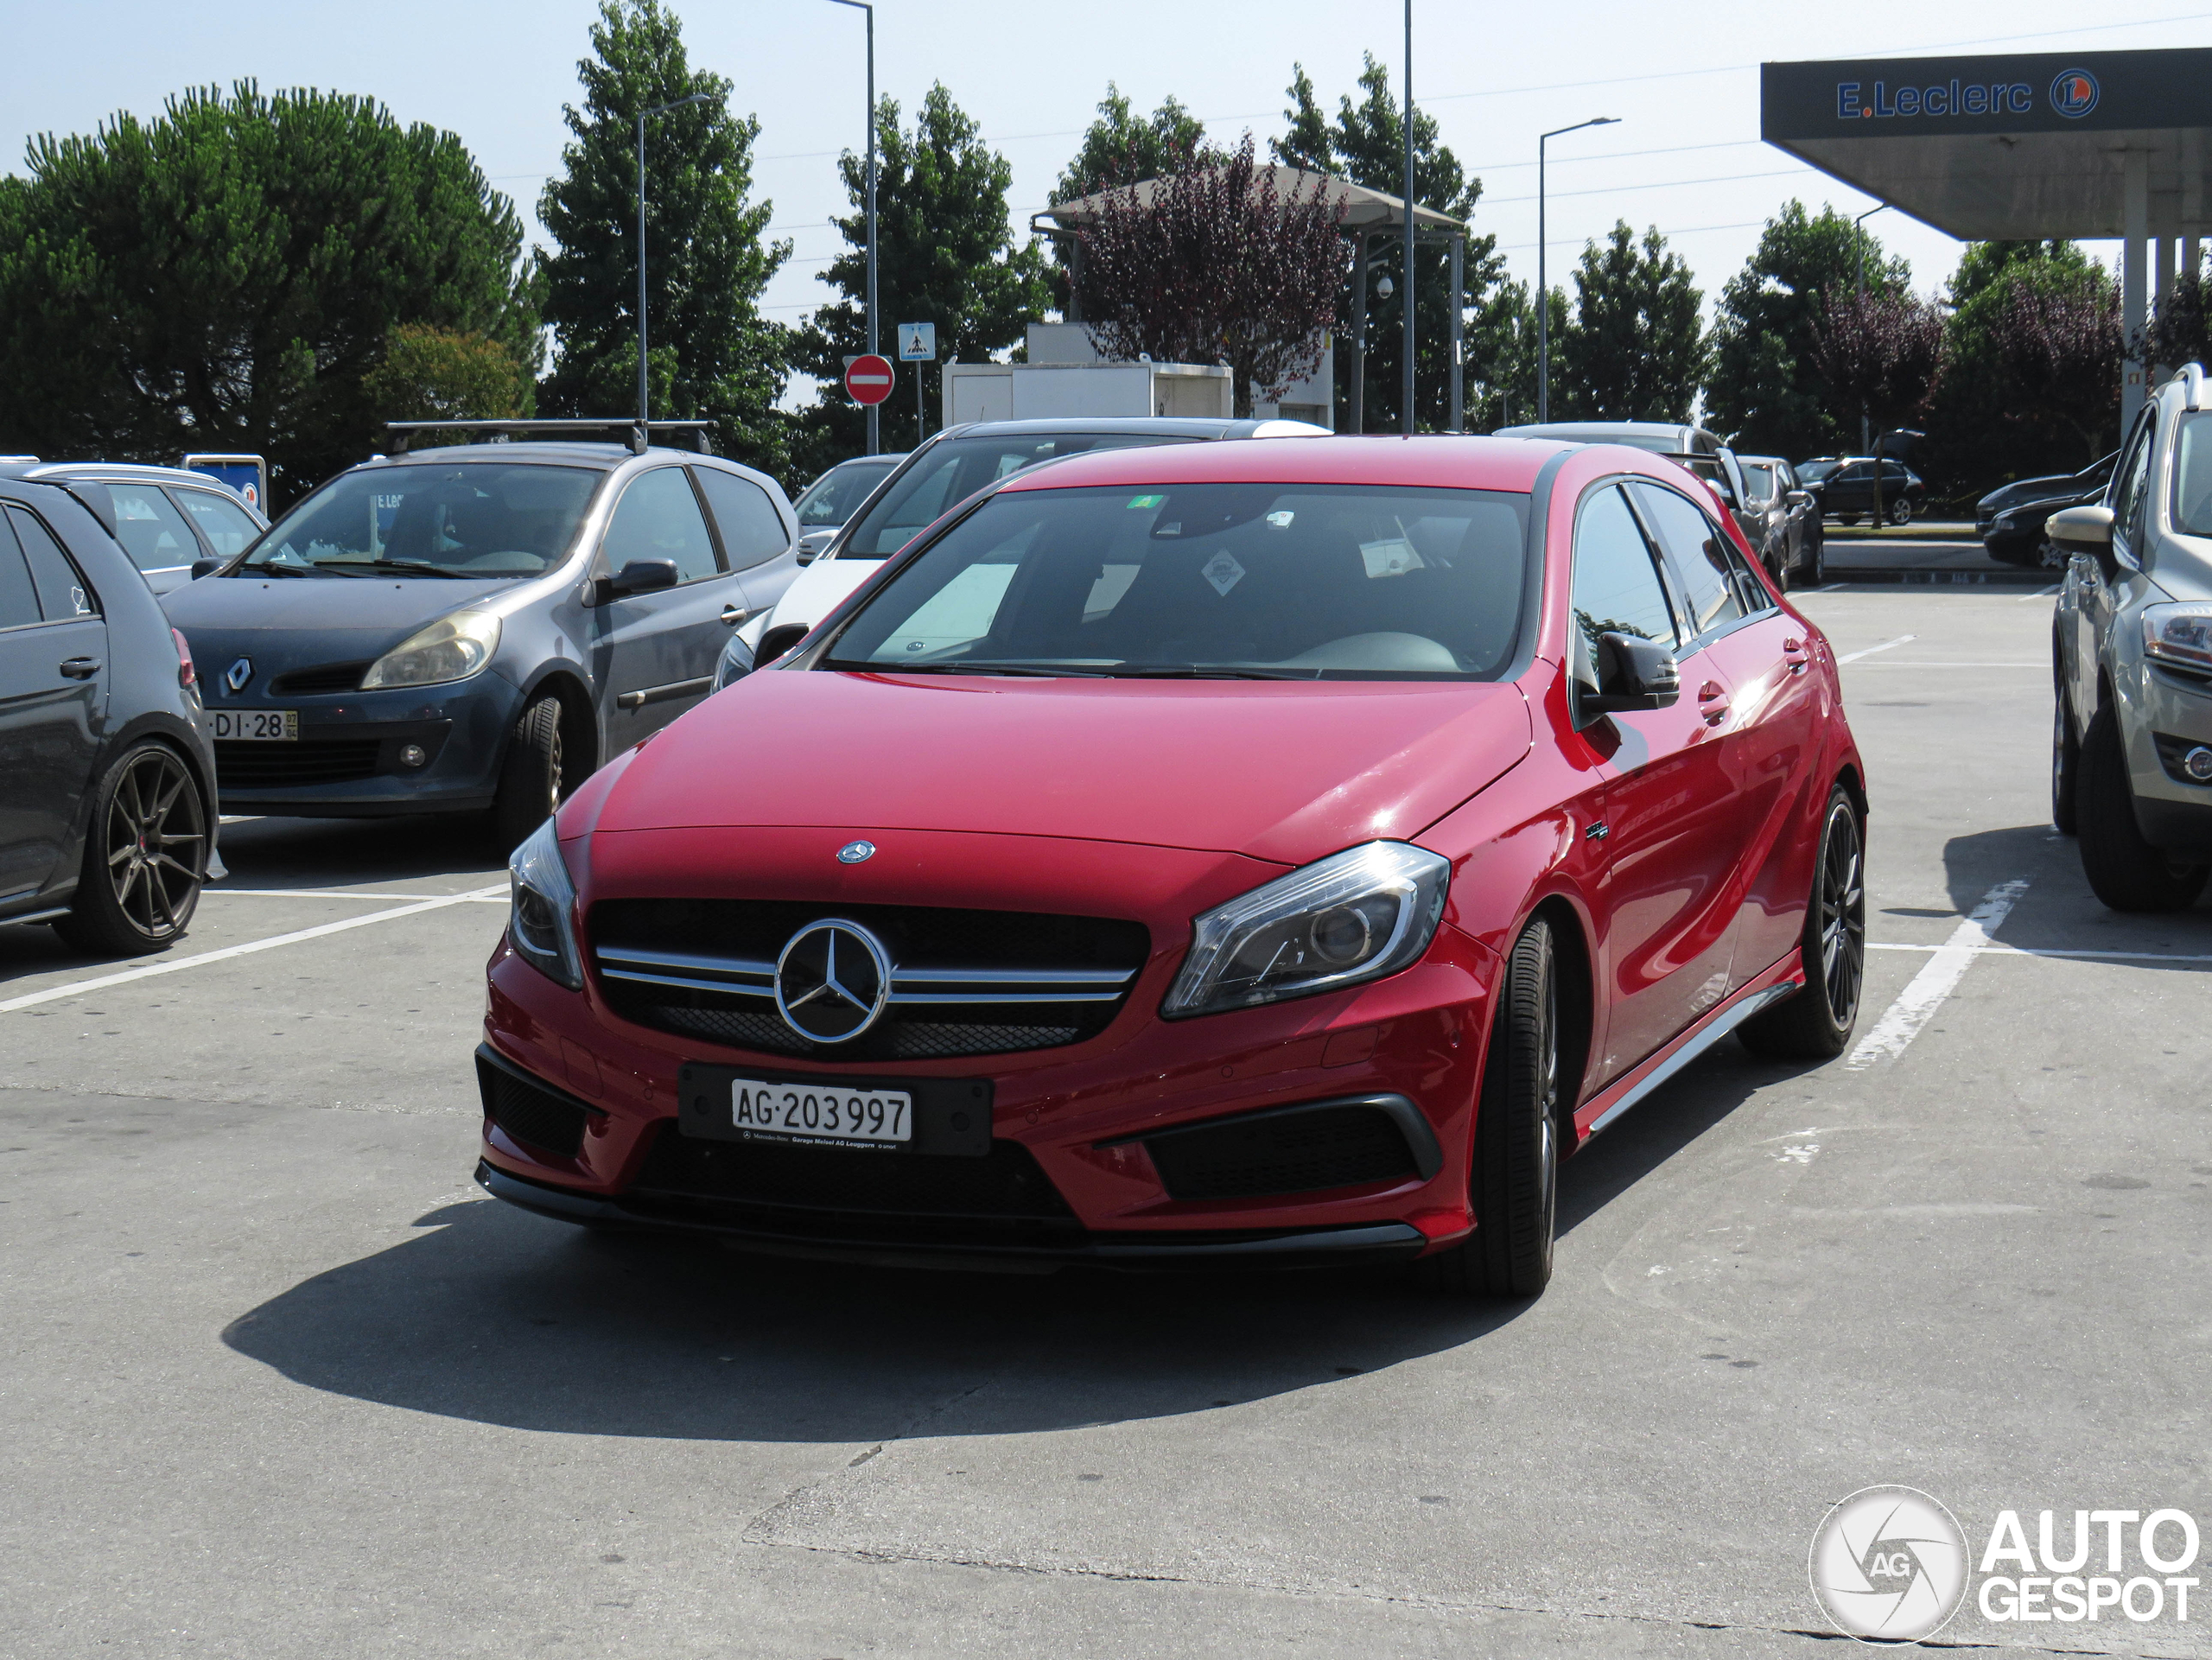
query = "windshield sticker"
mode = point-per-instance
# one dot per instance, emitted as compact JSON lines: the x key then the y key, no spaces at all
{"x":1145,"y":501}
{"x":1222,"y":571}
{"x":1281,"y":520}
{"x":1393,"y":557}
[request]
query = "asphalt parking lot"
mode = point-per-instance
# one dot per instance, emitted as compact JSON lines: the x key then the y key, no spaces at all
{"x":280,"y":1380}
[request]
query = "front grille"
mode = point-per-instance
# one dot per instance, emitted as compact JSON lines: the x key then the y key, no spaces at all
{"x":529,"y":1113}
{"x":1003,"y":1199}
{"x":1282,"y":1153}
{"x":326,"y":677}
{"x":300,"y":765}
{"x":964,"y":982}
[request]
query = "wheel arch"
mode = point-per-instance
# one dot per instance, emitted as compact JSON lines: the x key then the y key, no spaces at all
{"x":1574,"y":963}
{"x":580,"y":735}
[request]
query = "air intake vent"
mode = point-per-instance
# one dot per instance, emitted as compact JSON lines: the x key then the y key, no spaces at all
{"x":530,"y":1113}
{"x":1291,"y":1150}
{"x":296,"y":766}
{"x":328,"y":678}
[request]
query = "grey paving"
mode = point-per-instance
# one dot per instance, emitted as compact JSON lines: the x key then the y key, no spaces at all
{"x":278,"y":1381}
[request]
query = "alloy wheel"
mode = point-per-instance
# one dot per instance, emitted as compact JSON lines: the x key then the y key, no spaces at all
{"x":1843,"y":916}
{"x":156,"y":843}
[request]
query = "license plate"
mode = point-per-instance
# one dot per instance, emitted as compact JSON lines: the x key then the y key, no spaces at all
{"x":812,"y":1112}
{"x":256,"y":725}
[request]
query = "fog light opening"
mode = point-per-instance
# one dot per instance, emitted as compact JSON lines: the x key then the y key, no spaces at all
{"x":413,"y":754}
{"x":2198,"y":763}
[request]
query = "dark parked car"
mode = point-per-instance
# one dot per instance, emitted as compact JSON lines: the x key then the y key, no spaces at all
{"x":107,"y":782}
{"x":1693,"y":447}
{"x":2009,"y":519}
{"x":825,"y":505}
{"x":1788,"y":518}
{"x":478,"y":627}
{"x":1845,"y":488}
{"x":168,"y":519}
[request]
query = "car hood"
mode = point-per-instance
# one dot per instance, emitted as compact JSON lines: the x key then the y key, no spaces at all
{"x":292,"y":621}
{"x":2020,"y":491}
{"x":1281,"y":771}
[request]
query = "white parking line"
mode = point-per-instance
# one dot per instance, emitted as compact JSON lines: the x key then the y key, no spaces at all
{"x":1901,"y":1022}
{"x":77,"y":988}
{"x":2040,"y":593}
{"x":2053,"y":950}
{"x":483,"y":895}
{"x":1883,"y":646}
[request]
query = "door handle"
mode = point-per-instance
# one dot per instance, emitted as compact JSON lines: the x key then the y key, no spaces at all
{"x":1712,"y":703}
{"x":1793,"y":653}
{"x":80,"y":668}
{"x":734,"y":614}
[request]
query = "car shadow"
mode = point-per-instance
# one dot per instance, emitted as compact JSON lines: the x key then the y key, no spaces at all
{"x":2059,"y":911}
{"x":287,"y":853}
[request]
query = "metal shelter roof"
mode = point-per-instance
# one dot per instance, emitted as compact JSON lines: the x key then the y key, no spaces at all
{"x":1365,"y":210}
{"x":2013,"y":147}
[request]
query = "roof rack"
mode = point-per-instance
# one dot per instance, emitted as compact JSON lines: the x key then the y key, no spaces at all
{"x":636,"y":432}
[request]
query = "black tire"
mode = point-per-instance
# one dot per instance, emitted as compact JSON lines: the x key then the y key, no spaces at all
{"x":2125,"y":871}
{"x":1513,"y":1183}
{"x":2065,"y":752}
{"x":1780,"y":570}
{"x":2022,"y":551}
{"x":1816,"y":561}
{"x":530,"y":777}
{"x":1847,"y":518}
{"x":1816,"y":1023}
{"x":1901,"y":511}
{"x":145,"y":857}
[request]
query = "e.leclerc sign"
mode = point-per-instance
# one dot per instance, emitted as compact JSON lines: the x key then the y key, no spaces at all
{"x":2042,"y":92}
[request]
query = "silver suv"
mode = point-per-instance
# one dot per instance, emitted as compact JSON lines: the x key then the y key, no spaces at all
{"x":2132,"y":654}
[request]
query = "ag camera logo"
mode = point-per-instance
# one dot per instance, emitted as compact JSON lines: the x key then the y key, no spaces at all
{"x":1889,"y":1565}
{"x":2074,"y":94}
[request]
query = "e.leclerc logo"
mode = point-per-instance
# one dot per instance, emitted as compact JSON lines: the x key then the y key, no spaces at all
{"x":2074,"y":94}
{"x":1889,"y":1565}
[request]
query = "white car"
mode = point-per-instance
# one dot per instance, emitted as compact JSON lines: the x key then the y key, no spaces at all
{"x":939,"y":475}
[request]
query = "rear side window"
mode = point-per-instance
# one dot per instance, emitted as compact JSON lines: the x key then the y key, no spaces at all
{"x":63,"y":594}
{"x":150,"y":527}
{"x":1700,"y":554}
{"x":753,"y":531}
{"x":1617,"y":587}
{"x":226,"y":525}
{"x":18,"y":599}
{"x":658,"y":517}
{"x":2127,"y":507}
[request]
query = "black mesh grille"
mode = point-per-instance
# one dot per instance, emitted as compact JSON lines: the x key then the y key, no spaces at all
{"x":825,"y":1193}
{"x":917,"y":937}
{"x":326,"y":677}
{"x":309,"y":761}
{"x":1285,"y":1152}
{"x":529,"y":1113}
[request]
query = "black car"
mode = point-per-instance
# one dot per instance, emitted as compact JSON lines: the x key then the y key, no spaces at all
{"x":2009,"y":519}
{"x":1845,"y":488}
{"x":107,"y":780}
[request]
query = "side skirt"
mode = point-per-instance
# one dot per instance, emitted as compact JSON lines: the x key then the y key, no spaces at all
{"x":1782,"y":979}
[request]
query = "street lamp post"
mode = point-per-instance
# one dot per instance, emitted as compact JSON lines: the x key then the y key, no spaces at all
{"x":645,"y":388}
{"x":1543,"y":294}
{"x":1406,"y":380}
{"x":875,"y":434}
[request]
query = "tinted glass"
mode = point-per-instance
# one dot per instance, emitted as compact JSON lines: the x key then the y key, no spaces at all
{"x":1301,"y":582}
{"x":227,"y":527}
{"x":63,"y":594}
{"x":2135,"y":474}
{"x":150,"y":527}
{"x":2193,"y":475}
{"x":1617,"y":587}
{"x":833,"y":497}
{"x":751,"y":527}
{"x":18,"y":599}
{"x":1759,"y":480}
{"x":949,"y":472}
{"x":474,"y":519}
{"x":1814,"y":471}
{"x":1700,"y":554}
{"x":658,"y":517}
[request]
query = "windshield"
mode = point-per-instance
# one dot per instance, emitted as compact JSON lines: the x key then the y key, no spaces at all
{"x":1759,"y":480}
{"x":474,"y":519}
{"x":1814,"y":471}
{"x":1258,"y":581}
{"x":831,"y":499}
{"x":947,"y":473}
{"x":2193,"y":475}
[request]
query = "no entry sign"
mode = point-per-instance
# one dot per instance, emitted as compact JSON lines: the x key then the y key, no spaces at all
{"x":868,"y":378}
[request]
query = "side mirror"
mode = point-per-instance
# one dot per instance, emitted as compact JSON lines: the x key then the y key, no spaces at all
{"x":2081,"y":530}
{"x":1799,"y":498}
{"x":778,"y":641}
{"x":203,"y":567}
{"x":639,"y":577}
{"x":1633,"y":673}
{"x":813,"y":544}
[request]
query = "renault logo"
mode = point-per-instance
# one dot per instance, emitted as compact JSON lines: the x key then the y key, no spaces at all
{"x":832,"y":980}
{"x":238,"y":673}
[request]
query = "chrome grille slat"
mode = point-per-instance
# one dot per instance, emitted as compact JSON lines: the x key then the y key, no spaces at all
{"x":912,"y":986}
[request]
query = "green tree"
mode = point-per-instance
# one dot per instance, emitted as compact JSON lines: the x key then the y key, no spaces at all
{"x":947,"y":257}
{"x":1765,"y":389}
{"x":1366,"y":145}
{"x":1636,"y":349}
{"x":226,"y":276}
{"x":1121,"y":147}
{"x":1502,"y":356}
{"x":706,"y":261}
{"x":447,"y":374}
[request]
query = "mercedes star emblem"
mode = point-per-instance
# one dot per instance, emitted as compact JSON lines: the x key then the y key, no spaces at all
{"x":832,"y":980}
{"x":238,"y":673}
{"x":854,"y":852}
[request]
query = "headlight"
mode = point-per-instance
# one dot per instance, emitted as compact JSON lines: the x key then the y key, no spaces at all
{"x":1354,"y":916}
{"x":540,"y":922}
{"x":452,"y":648}
{"x":735,"y":662}
{"x":2179,"y":634}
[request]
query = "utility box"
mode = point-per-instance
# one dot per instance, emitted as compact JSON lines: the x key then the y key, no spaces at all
{"x":1024,"y":392}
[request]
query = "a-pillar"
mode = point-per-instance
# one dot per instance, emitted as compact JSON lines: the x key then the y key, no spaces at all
{"x":2135,"y":224}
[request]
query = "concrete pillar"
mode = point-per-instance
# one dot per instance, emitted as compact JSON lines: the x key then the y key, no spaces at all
{"x":1458,"y":422}
{"x":2135,"y":234}
{"x":2192,"y":257}
{"x":2162,"y":288}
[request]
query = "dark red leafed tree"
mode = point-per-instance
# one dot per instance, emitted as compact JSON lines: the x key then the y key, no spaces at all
{"x":1214,"y":264}
{"x":1879,"y":351}
{"x":2058,"y":350}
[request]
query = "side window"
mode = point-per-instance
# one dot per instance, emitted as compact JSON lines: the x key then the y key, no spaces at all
{"x":150,"y":527}
{"x":226,"y":525}
{"x":18,"y":599}
{"x":1700,"y":554}
{"x":1617,"y":587}
{"x":2134,"y":476}
{"x":658,"y":517}
{"x":753,"y":531}
{"x":63,"y":594}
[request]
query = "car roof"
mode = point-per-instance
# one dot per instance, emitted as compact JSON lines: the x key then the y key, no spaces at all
{"x":1445,"y":461}
{"x":60,"y":471}
{"x":1169,"y":426}
{"x":1637,"y":434}
{"x":550,"y":453}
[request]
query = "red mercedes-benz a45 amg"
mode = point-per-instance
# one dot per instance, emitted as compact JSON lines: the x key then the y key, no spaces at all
{"x":1243,"y":853}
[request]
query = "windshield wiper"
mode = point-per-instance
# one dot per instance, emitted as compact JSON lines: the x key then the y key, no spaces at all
{"x":272,"y":569}
{"x":1196,"y":671}
{"x":411,"y":566}
{"x":1032,"y":670}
